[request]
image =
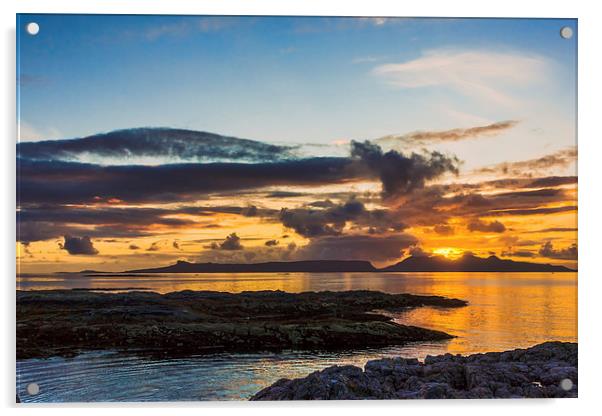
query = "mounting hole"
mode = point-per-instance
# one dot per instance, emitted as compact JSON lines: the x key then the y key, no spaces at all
{"x":33,"y":389}
{"x":566,"y":384}
{"x":566,"y":32}
{"x":32,"y":28}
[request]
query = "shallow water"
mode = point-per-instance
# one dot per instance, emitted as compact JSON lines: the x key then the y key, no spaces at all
{"x":506,"y":311}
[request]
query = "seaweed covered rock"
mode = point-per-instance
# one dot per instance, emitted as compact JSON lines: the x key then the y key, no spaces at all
{"x":545,"y":370}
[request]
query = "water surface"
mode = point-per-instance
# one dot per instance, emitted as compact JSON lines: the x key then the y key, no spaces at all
{"x":506,"y":311}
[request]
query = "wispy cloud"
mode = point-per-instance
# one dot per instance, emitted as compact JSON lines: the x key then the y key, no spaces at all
{"x":482,"y":74}
{"x":559,"y":159}
{"x":186,"y":26}
{"x":453,"y":135}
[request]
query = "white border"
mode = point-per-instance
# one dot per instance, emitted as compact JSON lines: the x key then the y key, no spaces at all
{"x":590,"y":68}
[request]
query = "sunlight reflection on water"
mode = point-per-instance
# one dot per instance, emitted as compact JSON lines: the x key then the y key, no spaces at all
{"x":506,"y":310}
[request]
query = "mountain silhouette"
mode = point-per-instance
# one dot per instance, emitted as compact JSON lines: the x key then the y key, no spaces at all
{"x":326,"y":266}
{"x":469,"y":263}
{"x":466,"y":263}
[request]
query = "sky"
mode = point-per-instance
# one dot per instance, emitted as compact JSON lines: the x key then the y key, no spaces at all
{"x":406,"y":135}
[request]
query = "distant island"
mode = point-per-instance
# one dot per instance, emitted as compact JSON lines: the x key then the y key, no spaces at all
{"x":470,"y":263}
{"x":466,"y":263}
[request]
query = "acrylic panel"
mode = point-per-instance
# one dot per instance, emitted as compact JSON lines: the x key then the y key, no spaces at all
{"x":295,"y":208}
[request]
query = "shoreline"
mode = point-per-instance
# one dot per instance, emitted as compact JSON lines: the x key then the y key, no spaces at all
{"x":547,"y":370}
{"x":65,"y":322}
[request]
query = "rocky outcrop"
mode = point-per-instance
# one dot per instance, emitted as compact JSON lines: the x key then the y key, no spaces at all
{"x":545,"y":370}
{"x":64,"y":322}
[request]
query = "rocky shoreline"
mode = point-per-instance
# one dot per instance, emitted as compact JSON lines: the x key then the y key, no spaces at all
{"x":66,"y":322}
{"x":547,"y":370}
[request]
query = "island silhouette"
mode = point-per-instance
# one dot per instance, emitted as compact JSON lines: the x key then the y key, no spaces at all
{"x":433,"y":263}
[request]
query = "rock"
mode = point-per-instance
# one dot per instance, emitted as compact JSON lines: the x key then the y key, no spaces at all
{"x":64,"y":322}
{"x":538,"y":371}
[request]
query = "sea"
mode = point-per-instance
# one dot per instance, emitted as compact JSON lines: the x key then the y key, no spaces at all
{"x":505,"y":311}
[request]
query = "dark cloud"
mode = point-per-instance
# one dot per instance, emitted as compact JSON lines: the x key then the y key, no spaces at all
{"x":567,"y":253}
{"x":139,"y":216}
{"x":78,"y":245}
{"x":155,"y":246}
{"x":40,"y":231}
{"x":418,"y":251}
{"x":439,"y":204}
{"x":284,"y":194}
{"x":271,"y":243}
{"x":444,"y":229}
{"x":535,"y":211}
{"x":358,"y":247}
{"x":249,"y":211}
{"x":539,"y":193}
{"x":486,"y":227}
{"x":519,"y":253}
{"x":320,"y":222}
{"x":453,"y":135}
{"x":70,"y":182}
{"x":322,"y":218}
{"x":401,"y":174}
{"x":552,"y":181}
{"x":35,"y":223}
{"x":165,"y":143}
{"x":232,"y":242}
{"x":41,"y":181}
{"x":554,"y":230}
{"x":514,"y":241}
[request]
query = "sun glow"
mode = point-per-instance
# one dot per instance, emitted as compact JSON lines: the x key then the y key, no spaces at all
{"x":449,"y":252}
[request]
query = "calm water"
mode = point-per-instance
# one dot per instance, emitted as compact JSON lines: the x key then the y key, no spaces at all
{"x":506,"y":311}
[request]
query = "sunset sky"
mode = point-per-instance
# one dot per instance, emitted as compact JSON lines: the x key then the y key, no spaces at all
{"x":149,"y":139}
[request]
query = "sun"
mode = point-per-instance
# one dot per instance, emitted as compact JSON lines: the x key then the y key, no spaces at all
{"x":449,"y":252}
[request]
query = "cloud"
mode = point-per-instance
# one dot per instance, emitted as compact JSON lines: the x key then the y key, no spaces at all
{"x":519,"y":253}
{"x":486,"y":227}
{"x":555,"y":230}
{"x":155,"y":246}
{"x":439,"y":136}
{"x":535,"y":211}
{"x":26,"y":133}
{"x":43,"y":222}
{"x":417,"y":251}
{"x":232,"y":242}
{"x":134,"y":247}
{"x":485,"y":75}
{"x":552,"y":181}
{"x":271,"y":243}
{"x":320,"y":222}
{"x":70,"y":182}
{"x":514,"y":241}
{"x":567,"y":253}
{"x":444,"y":229}
{"x":322,"y":218}
{"x":250,"y":211}
{"x":182,"y":27}
{"x":559,"y":159}
{"x":358,"y":247}
{"x":176,"y":244}
{"x":399,"y":173}
{"x":78,"y":245}
{"x":154,"y":145}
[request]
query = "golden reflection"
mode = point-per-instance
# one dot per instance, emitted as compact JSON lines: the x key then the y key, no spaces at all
{"x":505,"y":311}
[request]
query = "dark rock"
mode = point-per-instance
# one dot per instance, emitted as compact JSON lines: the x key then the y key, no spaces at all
{"x":64,"y":322}
{"x":533,"y":372}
